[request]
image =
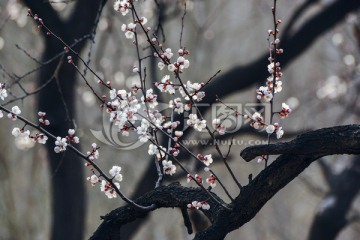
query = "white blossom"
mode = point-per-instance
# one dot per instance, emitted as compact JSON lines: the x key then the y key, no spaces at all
{"x":60,"y":144}
{"x":168,"y":167}
{"x":198,"y":124}
{"x":270,"y":129}
{"x":16,"y":132}
{"x":161,"y":65}
{"x":171,"y":67}
{"x":207,"y":160}
{"x":115,"y":172}
{"x":279,"y":133}
{"x":153,"y":149}
{"x":3,"y":94}
{"x":41,"y":138}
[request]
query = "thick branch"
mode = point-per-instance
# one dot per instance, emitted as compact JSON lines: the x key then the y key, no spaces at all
{"x":322,"y":142}
{"x":281,"y":172}
{"x":170,"y":196}
{"x":253,"y":196}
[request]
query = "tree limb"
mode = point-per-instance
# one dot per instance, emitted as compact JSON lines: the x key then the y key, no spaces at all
{"x":322,"y":142}
{"x":173,"y":195}
{"x":252,"y":196}
{"x":243,"y":77}
{"x":46,"y":12}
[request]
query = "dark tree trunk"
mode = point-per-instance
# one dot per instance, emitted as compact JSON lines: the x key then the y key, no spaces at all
{"x":66,"y":170}
{"x":332,"y":216}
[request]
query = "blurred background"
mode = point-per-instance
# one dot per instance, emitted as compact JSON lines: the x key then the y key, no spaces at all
{"x":43,"y":196}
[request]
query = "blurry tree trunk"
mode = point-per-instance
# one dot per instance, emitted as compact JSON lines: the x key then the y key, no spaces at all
{"x":66,"y":170}
{"x":332,"y":215}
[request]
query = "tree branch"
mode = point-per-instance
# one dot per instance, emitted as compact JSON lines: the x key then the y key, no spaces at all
{"x":253,"y":196}
{"x":173,"y":195}
{"x":46,"y":12}
{"x":243,"y":77}
{"x":322,"y":142}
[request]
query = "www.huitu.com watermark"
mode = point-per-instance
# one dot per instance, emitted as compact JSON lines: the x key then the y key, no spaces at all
{"x":109,"y":133}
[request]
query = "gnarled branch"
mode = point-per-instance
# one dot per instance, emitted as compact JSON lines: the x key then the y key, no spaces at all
{"x":326,"y":141}
{"x":296,"y":156}
{"x":173,"y":195}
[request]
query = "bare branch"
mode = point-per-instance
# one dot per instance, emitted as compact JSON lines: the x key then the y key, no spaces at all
{"x":322,"y":142}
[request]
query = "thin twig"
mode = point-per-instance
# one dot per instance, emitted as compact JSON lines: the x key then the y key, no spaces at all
{"x":182,"y":25}
{"x":86,"y":158}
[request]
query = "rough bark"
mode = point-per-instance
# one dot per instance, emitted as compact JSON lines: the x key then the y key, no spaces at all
{"x":253,"y":196}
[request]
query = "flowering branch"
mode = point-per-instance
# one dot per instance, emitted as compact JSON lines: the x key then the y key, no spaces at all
{"x":87,"y":158}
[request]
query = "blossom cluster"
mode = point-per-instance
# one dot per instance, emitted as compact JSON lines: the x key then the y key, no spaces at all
{"x":22,"y":133}
{"x":43,"y":119}
{"x":210,"y":180}
{"x":207,"y":159}
{"x":25,"y":134}
{"x":199,"y":205}
{"x":15,"y":111}
{"x":273,"y":85}
{"x":94,"y":154}
{"x":219,"y":126}
{"x":62,"y":143}
{"x":110,"y":186}
{"x":3,"y":92}
{"x":168,"y":167}
{"x":122,"y":6}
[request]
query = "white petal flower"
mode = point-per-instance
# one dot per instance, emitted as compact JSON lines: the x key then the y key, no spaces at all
{"x":113,"y":93}
{"x":16,"y":110}
{"x":123,"y":27}
{"x":16,"y":132}
{"x":205,"y":206}
{"x":115,"y":170}
{"x":118,"y":177}
{"x":279,"y":133}
{"x":168,"y":167}
{"x":60,"y":144}
{"x":129,"y":34}
{"x":207,"y":160}
{"x":94,"y":179}
{"x":3,"y":94}
{"x":270,"y":129}
{"x":171,"y":67}
{"x":103,"y":186}
{"x":143,"y":20}
{"x":153,"y":149}
{"x":131,"y":26}
{"x":161,"y":65}
{"x":179,"y":133}
{"x":41,"y":138}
